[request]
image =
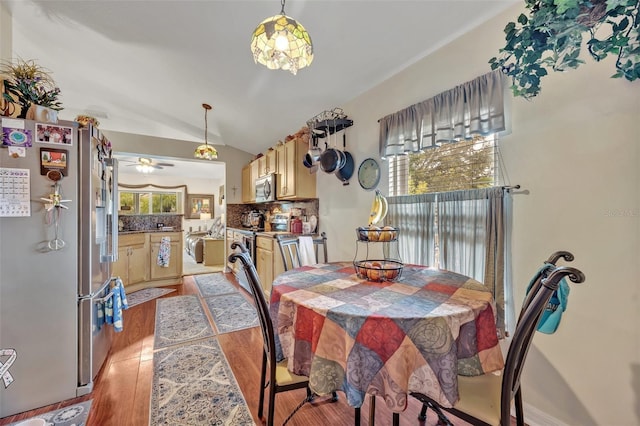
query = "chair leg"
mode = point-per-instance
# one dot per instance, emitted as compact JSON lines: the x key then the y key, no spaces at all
{"x":423,"y":413}
{"x":519,"y":411}
{"x":357,"y":416}
{"x":396,"y":419}
{"x":334,"y":396}
{"x":263,"y":376}
{"x":372,"y":410}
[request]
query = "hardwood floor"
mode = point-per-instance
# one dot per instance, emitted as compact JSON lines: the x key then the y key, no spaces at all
{"x":122,"y":389}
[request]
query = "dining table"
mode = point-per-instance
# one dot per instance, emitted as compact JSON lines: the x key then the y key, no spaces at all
{"x":416,"y":333}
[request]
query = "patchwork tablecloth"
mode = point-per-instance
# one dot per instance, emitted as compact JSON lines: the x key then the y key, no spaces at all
{"x":384,"y":338}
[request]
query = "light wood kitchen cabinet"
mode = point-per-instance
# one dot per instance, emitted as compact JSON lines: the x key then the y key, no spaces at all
{"x":267,"y":163}
{"x":268,"y":262}
{"x":133,"y":259}
{"x":174,"y":270}
{"x":247,"y":184}
{"x":213,"y":252}
{"x":294,"y":179}
{"x":137,"y":263}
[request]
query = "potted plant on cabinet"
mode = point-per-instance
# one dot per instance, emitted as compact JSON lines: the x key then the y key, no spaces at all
{"x":27,"y":85}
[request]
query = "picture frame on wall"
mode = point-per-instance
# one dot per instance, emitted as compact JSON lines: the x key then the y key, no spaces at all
{"x":197,"y":204}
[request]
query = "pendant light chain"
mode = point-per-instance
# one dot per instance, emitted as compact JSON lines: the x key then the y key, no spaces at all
{"x":282,"y":11}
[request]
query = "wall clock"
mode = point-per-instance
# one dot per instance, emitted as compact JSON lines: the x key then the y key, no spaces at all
{"x":369,"y":174}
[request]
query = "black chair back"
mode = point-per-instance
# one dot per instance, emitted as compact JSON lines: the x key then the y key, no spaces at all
{"x":290,"y":249}
{"x":258,"y":297}
{"x":525,"y":330}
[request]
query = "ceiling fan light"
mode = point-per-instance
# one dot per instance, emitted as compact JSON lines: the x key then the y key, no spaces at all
{"x":280,"y":42}
{"x":144,"y":168}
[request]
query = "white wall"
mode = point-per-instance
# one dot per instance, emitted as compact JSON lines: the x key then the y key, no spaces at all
{"x":233,"y":158}
{"x":574,"y":150}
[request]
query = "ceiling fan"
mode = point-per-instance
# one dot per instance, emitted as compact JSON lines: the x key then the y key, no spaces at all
{"x":147,"y":165}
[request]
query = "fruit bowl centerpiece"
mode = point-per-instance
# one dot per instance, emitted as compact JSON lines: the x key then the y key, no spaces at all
{"x":374,"y":233}
{"x":378,"y":270}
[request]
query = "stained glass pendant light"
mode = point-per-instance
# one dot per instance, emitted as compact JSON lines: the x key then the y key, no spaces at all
{"x":280,"y":42}
{"x":206,"y":151}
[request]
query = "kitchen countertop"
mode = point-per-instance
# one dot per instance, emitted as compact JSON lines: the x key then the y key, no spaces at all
{"x":149,"y":231}
{"x":273,"y":234}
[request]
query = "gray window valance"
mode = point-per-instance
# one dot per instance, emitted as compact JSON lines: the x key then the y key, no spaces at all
{"x":476,"y":107}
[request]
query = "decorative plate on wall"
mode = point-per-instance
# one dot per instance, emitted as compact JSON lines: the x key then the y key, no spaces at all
{"x":369,"y":174}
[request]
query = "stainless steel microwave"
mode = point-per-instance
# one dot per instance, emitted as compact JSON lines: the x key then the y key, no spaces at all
{"x":266,"y":188}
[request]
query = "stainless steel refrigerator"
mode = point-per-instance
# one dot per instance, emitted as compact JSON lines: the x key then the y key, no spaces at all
{"x":58,"y":238}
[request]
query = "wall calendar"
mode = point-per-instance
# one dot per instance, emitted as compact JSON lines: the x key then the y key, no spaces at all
{"x":15,"y":192}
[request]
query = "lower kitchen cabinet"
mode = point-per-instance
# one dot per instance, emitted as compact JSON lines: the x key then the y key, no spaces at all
{"x":133,"y":253}
{"x":213,"y":252}
{"x":268,"y":262}
{"x":137,"y":263}
{"x":174,"y":269}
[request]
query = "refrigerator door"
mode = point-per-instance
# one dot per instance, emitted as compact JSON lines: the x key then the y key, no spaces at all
{"x":98,"y":242}
{"x":96,"y":205}
{"x":38,"y":285}
{"x":94,"y":337}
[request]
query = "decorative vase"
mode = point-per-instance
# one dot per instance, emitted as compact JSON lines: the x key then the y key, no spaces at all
{"x":42,"y":114}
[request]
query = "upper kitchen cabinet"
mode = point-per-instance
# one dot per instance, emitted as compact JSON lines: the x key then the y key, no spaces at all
{"x":294,"y":179}
{"x":249,"y":175}
{"x":267,"y":163}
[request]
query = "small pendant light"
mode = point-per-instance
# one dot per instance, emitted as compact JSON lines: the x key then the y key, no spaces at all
{"x":206,"y":151}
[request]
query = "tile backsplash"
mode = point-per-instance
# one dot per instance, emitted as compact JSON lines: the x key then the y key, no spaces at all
{"x":149,"y":222}
{"x":235,"y":211}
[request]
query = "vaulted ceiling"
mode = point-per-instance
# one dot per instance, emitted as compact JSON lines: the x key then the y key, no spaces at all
{"x":146,"y":67}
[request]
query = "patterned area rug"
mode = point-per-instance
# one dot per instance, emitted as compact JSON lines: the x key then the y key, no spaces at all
{"x":73,"y":415}
{"x":146,"y":294}
{"x":194,"y":385}
{"x":232,"y":312}
{"x":180,"y":319}
{"x":214,"y":284}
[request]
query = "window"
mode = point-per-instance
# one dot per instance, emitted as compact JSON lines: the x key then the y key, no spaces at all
{"x":454,"y":166}
{"x":150,"y":202}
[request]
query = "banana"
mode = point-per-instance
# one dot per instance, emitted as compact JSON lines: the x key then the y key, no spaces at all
{"x":378,"y":209}
{"x":375,"y":206}
{"x":384,"y":208}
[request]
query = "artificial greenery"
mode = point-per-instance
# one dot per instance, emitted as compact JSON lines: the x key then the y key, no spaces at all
{"x":28,"y":83}
{"x":550,"y":37}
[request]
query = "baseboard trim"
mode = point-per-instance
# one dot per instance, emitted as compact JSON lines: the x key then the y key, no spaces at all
{"x":535,"y":417}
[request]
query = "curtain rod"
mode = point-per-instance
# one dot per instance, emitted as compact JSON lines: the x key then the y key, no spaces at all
{"x":510,"y":187}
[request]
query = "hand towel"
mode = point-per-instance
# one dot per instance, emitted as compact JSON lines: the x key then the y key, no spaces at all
{"x":305,"y":251}
{"x":115,"y":304}
{"x":164,"y":253}
{"x":552,"y":314}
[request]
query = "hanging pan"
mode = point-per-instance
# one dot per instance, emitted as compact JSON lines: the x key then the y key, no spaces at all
{"x":345,"y":172}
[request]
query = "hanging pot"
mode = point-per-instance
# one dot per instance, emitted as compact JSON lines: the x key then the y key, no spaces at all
{"x":346,"y":171}
{"x":331,"y":160}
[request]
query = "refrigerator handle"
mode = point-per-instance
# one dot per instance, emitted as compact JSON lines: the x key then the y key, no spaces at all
{"x":113,"y":163}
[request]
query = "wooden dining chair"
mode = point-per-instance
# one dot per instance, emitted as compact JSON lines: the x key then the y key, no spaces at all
{"x":486,"y":400}
{"x":290,"y":249}
{"x":280,"y":379}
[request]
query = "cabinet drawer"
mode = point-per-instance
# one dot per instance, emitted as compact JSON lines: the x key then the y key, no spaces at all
{"x":132,"y":239}
{"x":265,"y":243}
{"x":157,"y":237}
